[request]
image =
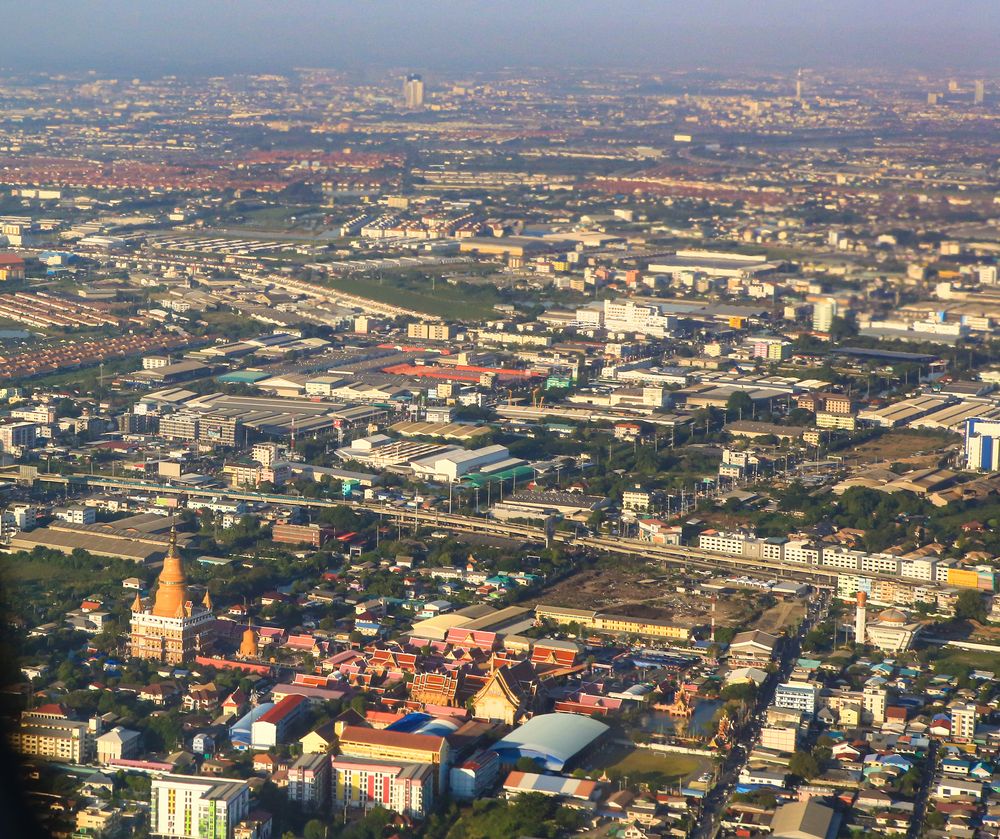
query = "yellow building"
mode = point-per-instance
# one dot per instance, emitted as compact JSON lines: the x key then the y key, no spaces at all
{"x":640,"y":626}
{"x":385,"y":745}
{"x":963,"y":578}
{"x":320,"y":741}
{"x":98,"y":820}
{"x":174,"y":629}
{"x":600,"y":622}
{"x":66,"y":741}
{"x":844,"y":422}
{"x":850,"y":715}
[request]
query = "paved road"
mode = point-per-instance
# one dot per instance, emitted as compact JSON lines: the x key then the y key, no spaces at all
{"x":715,"y":803}
{"x":920,"y":801}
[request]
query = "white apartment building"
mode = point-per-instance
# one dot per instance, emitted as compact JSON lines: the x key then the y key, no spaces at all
{"x":309,"y":781}
{"x":802,"y":552}
{"x":265,"y":453}
{"x":963,"y":721}
{"x":846,"y":560}
{"x":918,"y":569}
{"x":637,"y":499}
{"x":799,"y":696}
{"x":874,"y":700}
{"x":627,"y":315}
{"x":592,"y":316}
{"x":76,"y":514}
{"x":41,"y":414}
{"x":721,"y":542}
{"x":780,"y":738}
{"x":196,"y":807}
{"x":20,"y":517}
{"x":880,"y":564}
{"x":771,"y":548}
{"x":15,"y":436}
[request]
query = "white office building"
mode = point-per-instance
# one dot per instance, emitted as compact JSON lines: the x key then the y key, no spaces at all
{"x":982,"y":445}
{"x":824,"y":311}
{"x":799,"y":696}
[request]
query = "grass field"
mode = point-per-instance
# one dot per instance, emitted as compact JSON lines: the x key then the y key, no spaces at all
{"x":667,"y":767}
{"x":88,"y":378}
{"x":444,"y":301}
{"x":976,"y":659}
{"x":27,"y":571}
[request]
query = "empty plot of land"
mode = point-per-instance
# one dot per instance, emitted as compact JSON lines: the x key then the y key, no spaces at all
{"x":917,"y":449}
{"x":785,"y":613}
{"x":632,"y":592}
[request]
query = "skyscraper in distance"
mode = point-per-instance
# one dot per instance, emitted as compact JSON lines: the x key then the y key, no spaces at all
{"x":413,"y":91}
{"x":824,"y":311}
{"x":979,"y":91}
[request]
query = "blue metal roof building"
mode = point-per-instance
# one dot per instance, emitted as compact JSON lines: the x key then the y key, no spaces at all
{"x":418,"y":722}
{"x":553,"y":740}
{"x":239,"y":732}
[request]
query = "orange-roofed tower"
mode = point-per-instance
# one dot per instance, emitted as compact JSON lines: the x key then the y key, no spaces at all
{"x":248,"y":646}
{"x":171,"y":591}
{"x":174,"y":629}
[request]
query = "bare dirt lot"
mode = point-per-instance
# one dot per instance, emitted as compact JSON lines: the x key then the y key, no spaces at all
{"x":640,"y":594}
{"x":785,"y":613}
{"x":901,"y":448}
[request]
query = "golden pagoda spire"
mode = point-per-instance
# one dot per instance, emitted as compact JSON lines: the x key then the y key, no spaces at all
{"x":207,"y":600}
{"x":248,"y":645}
{"x":137,"y":603}
{"x":171,"y":593}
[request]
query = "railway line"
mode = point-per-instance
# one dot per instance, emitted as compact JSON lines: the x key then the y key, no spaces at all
{"x":679,"y":555}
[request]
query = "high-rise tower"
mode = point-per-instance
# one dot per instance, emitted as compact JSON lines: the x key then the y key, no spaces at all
{"x":861,"y":618}
{"x":413,"y":92}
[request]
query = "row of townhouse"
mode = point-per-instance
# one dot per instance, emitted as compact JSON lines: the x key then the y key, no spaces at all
{"x":803,"y":552}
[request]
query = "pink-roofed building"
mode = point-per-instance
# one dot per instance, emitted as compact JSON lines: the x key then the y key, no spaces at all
{"x":587,"y":704}
{"x":271,"y":635}
{"x":382,"y":719}
{"x":313,"y":694}
{"x":311,"y":680}
{"x":472,"y":638}
{"x":334,"y":662}
{"x":303,"y":643}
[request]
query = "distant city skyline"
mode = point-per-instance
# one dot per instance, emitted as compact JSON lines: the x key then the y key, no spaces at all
{"x":253,"y":36}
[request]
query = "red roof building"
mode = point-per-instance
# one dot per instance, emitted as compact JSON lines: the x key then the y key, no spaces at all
{"x":11,"y":267}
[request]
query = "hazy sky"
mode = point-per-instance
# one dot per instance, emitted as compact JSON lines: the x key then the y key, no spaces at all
{"x":155,"y":36}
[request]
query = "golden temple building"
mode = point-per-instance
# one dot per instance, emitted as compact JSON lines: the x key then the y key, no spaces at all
{"x":174,"y":629}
